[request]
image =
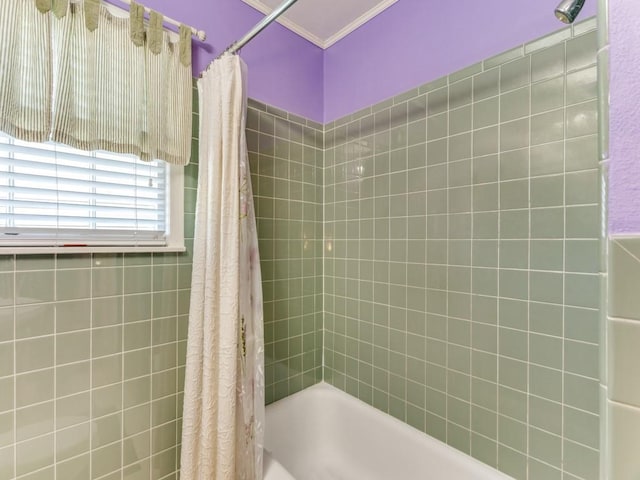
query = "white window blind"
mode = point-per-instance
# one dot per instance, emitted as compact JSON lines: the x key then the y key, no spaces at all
{"x":54,"y":195}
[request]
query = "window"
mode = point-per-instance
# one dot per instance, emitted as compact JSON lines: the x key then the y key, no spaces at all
{"x":55,"y":196}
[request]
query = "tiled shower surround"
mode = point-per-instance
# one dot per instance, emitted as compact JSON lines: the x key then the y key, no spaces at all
{"x":623,"y":332}
{"x":462,"y":257}
{"x":285,"y":155}
{"x":440,"y":251}
{"x":92,"y":348}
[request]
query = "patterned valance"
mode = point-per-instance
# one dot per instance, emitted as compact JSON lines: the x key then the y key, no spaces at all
{"x":77,"y":74}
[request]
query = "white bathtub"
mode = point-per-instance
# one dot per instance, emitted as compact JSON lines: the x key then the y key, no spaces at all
{"x":273,"y":470}
{"x":322,"y":433}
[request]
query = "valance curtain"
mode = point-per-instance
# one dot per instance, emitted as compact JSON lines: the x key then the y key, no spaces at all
{"x":80,"y":75}
{"x":25,"y":71}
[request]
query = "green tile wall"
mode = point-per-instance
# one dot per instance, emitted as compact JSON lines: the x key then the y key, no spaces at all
{"x":462,"y":258}
{"x":440,"y":251}
{"x":286,"y":154}
{"x":92,"y":355}
{"x":92,"y":347}
{"x":622,"y":397}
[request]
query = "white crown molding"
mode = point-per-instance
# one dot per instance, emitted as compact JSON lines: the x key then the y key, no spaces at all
{"x":294,"y":27}
{"x":320,"y":42}
{"x":358,"y":22}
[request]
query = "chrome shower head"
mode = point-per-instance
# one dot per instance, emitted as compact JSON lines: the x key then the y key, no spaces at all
{"x":568,"y":10}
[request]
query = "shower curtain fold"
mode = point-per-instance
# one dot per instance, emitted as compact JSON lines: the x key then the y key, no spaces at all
{"x":223,"y":417}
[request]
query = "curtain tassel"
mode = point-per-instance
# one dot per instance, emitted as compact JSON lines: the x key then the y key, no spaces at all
{"x":43,"y":6}
{"x":59,"y":7}
{"x":136,"y":13}
{"x":185,"y":45}
{"x":156,"y":32}
{"x":91,"y":14}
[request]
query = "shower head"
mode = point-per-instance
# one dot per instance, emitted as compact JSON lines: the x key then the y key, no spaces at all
{"x":568,"y":10}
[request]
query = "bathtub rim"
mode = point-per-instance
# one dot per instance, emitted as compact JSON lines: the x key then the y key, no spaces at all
{"x":447,"y":450}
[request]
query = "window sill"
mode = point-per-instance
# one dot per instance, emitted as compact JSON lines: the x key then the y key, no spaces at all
{"x":88,"y":249}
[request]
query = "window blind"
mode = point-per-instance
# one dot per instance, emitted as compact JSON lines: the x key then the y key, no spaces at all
{"x":54,"y":195}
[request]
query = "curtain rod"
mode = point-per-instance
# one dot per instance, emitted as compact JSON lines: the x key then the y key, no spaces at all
{"x":200,"y":34}
{"x":266,"y":21}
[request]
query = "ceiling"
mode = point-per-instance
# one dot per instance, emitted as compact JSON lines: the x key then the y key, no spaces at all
{"x":324,"y":22}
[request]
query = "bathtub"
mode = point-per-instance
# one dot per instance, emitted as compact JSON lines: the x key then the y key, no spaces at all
{"x":273,"y":470}
{"x":321,"y":433}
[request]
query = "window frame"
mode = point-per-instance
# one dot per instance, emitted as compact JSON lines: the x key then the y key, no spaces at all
{"x":174,"y":229}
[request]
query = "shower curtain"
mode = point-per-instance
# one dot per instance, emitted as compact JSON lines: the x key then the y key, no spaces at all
{"x":223,"y":419}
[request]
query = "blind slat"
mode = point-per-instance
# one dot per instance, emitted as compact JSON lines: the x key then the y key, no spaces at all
{"x":66,"y":171}
{"x":69,"y":155}
{"x":53,"y":205}
{"x":89,"y":234}
{"x":46,"y":180}
{"x":48,"y":220}
{"x":45,"y":191}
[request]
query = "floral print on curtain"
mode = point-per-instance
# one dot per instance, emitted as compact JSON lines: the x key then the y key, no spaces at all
{"x":251,"y":342}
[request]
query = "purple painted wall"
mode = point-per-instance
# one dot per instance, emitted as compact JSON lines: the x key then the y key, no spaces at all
{"x":410,"y":44}
{"x":416,"y":41}
{"x":285,"y":70}
{"x":624,"y":188}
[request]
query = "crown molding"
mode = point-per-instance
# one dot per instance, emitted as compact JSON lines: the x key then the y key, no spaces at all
{"x":320,"y":42}
{"x":358,"y":22}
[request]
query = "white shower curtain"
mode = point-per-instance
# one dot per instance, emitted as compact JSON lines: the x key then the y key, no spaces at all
{"x":223,"y":420}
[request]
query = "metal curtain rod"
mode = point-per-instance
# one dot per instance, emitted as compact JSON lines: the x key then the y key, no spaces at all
{"x":200,"y":34}
{"x":266,"y":21}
